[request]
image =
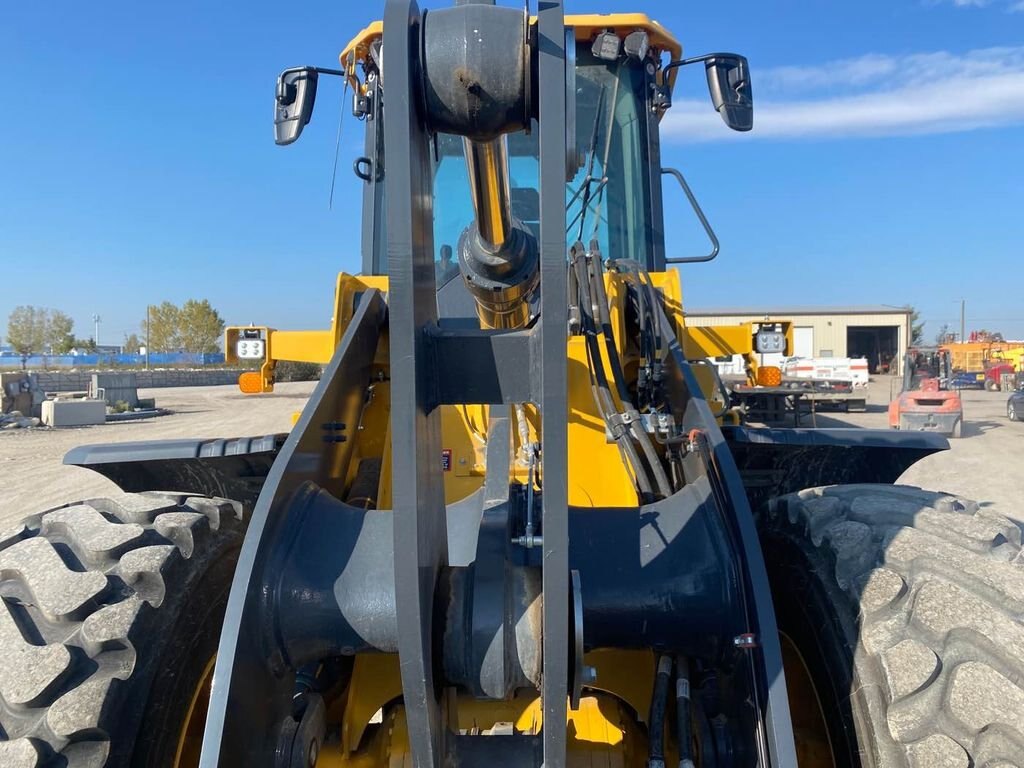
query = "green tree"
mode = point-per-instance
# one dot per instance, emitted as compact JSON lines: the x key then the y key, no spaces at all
{"x":26,"y":330}
{"x":164,"y":324}
{"x":60,"y":337}
{"x":200,"y":326}
{"x":132,"y":343}
{"x":943,"y":336}
{"x":195,"y":326}
{"x":916,"y":326}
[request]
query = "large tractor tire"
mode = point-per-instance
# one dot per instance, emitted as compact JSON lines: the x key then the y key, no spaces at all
{"x":109,"y":624}
{"x":901,"y":619}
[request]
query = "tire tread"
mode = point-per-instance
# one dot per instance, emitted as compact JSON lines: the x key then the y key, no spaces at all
{"x":78,"y":587}
{"x":937,"y":586}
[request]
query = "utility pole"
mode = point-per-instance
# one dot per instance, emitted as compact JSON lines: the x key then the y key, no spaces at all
{"x":963,"y":325}
{"x":147,"y":337}
{"x":96,"y":335}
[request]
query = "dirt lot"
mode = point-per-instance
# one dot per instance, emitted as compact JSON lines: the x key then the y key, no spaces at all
{"x":987,"y":464}
{"x":33,"y":479}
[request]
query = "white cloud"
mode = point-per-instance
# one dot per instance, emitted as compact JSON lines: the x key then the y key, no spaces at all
{"x":1013,"y":6}
{"x":874,"y":69}
{"x":873,"y":95}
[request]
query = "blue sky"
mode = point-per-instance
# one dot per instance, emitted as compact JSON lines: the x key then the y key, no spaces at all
{"x":137,"y":162}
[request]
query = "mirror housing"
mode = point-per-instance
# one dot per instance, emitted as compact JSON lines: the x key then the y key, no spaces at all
{"x":293,"y":103}
{"x":729,"y":84}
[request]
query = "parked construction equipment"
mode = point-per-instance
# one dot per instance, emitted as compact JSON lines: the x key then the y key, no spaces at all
{"x":1000,"y":363}
{"x":971,"y":355}
{"x":994,"y":366}
{"x":510,"y":526}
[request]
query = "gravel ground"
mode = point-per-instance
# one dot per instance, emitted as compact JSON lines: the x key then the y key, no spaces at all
{"x":32,"y":478}
{"x":987,"y":464}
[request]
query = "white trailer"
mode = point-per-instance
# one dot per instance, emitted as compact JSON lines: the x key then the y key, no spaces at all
{"x":852,"y":369}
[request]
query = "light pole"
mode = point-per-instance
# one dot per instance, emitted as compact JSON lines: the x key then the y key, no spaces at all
{"x":96,"y":335}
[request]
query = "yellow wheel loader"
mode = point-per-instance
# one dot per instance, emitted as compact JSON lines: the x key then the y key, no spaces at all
{"x":510,"y":527}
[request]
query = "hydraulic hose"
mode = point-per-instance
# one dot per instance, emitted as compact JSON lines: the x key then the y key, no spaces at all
{"x":646,"y":285}
{"x":656,"y":721}
{"x":595,"y":275}
{"x":596,"y":278}
{"x":683,"y":726}
{"x":602,"y":393}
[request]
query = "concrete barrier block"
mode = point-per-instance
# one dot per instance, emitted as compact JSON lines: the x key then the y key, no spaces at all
{"x":115,"y":388}
{"x":74,"y":413}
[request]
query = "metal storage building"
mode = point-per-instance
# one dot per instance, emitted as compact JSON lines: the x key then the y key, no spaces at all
{"x":880,"y":333}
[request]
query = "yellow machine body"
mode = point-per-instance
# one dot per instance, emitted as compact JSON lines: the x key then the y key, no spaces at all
{"x":698,"y":342}
{"x":298,"y":346}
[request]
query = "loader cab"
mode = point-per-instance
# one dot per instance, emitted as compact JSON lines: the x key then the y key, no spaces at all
{"x":617,"y":100}
{"x":620,"y":73}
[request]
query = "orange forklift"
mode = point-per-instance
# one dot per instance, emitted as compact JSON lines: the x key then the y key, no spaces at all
{"x":926,"y":402}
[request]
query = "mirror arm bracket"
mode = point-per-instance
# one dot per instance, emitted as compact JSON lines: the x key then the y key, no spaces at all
{"x":664,"y":91}
{"x":695,"y":60}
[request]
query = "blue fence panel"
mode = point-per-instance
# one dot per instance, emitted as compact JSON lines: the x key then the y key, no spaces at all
{"x":157,"y":359}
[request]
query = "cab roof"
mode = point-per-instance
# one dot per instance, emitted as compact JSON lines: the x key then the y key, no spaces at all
{"x":586,"y":27}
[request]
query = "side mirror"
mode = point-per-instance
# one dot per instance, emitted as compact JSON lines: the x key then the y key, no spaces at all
{"x":293,"y":103}
{"x":729,"y":84}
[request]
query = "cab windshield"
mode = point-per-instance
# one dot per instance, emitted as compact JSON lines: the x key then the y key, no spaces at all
{"x":607,"y":200}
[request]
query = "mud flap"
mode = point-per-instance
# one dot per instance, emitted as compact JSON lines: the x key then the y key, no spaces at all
{"x":773,"y":462}
{"x":233,"y":468}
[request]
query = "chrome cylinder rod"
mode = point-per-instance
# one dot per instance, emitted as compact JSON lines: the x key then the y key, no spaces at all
{"x":487,"y":165}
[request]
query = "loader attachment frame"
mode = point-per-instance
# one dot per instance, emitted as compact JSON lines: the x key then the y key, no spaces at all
{"x":251,"y":692}
{"x":250,"y":707}
{"x":320,"y":578}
